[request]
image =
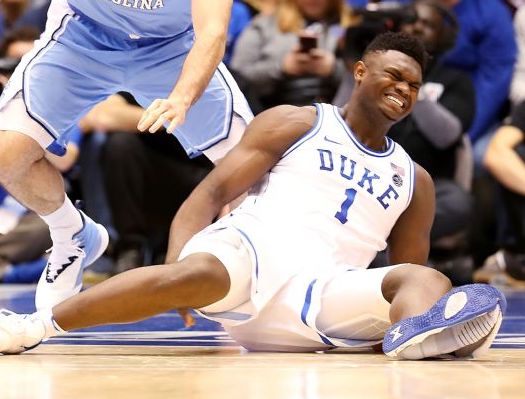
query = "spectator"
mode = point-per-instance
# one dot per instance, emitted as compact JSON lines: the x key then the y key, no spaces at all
{"x":433,"y":132}
{"x":23,"y":13}
{"x":240,"y":17}
{"x":262,"y":6}
{"x":517,"y":91}
{"x":269,"y":57}
{"x":505,"y":159}
{"x":12,"y":48}
{"x":486,"y":49}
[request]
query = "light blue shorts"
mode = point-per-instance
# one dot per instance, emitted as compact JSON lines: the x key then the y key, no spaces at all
{"x":80,"y":63}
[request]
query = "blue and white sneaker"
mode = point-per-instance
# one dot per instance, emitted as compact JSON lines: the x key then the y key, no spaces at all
{"x":463,"y":322}
{"x":62,"y":276}
{"x":19,"y":332}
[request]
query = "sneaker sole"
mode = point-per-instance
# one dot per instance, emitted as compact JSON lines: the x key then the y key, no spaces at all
{"x":451,"y":309}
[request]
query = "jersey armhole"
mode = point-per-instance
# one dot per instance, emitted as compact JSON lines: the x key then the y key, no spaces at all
{"x":311,"y":132}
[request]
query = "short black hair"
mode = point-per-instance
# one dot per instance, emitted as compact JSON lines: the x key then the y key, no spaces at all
{"x":402,"y":42}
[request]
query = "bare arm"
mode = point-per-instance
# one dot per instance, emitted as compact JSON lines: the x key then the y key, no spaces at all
{"x":210,"y":22}
{"x":409,"y":240}
{"x":269,"y":135}
{"x":112,"y":114}
{"x":503,"y":162}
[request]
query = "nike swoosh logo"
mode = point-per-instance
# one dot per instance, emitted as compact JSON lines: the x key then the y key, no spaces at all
{"x":326,"y":138}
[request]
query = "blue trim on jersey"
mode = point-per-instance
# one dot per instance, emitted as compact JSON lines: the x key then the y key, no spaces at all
{"x":310,"y":132}
{"x":54,"y":146}
{"x":253,"y":250}
{"x":225,"y":134}
{"x":390,"y":144}
{"x":228,"y":315}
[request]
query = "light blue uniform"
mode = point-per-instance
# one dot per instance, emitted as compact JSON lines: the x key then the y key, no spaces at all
{"x":92,"y":49}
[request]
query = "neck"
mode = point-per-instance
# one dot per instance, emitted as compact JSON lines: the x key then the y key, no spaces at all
{"x":369,"y":127}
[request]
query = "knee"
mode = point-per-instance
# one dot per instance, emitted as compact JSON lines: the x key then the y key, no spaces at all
{"x":204,"y":279}
{"x":423,"y":277}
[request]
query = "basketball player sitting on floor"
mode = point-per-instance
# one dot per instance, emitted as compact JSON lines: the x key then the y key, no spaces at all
{"x":286,"y":271}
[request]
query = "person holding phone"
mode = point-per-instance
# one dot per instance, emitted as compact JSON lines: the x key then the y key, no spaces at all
{"x":288,"y":57}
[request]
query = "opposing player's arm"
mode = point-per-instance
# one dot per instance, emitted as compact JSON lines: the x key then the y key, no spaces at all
{"x":409,"y":240}
{"x":210,"y":22}
{"x":266,"y":139}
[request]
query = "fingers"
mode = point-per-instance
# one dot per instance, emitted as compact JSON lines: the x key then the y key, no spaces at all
{"x":317,"y":52}
{"x":176,"y":121}
{"x":158,"y":123}
{"x":160,"y":112}
{"x":151,"y":114}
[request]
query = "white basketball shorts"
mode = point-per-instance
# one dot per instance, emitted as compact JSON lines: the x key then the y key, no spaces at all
{"x":306,"y":312}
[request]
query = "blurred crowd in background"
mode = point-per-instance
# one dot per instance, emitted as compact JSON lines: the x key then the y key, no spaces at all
{"x":467,"y":128}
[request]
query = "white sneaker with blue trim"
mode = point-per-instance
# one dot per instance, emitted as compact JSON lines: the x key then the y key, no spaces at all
{"x":62,"y":276}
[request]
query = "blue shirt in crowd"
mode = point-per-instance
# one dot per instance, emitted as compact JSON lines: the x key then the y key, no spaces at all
{"x":240,"y":17}
{"x":486,"y":49}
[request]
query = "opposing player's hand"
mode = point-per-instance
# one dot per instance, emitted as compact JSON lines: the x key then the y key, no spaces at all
{"x":171,"y":110}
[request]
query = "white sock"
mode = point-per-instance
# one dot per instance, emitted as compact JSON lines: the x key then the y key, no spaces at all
{"x":64,"y":222}
{"x":51,"y":326}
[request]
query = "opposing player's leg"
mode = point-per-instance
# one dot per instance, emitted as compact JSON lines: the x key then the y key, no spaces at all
{"x":36,"y":114}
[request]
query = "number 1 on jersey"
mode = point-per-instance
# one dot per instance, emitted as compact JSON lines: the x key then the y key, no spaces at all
{"x":347,"y":203}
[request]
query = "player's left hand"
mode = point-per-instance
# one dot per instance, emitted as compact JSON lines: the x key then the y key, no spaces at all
{"x":172,"y":110}
{"x":188,"y":319}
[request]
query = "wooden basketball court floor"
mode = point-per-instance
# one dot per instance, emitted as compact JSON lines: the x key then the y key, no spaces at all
{"x":158,"y":358}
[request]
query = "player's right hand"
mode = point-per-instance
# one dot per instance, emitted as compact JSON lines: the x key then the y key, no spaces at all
{"x":161,"y":111}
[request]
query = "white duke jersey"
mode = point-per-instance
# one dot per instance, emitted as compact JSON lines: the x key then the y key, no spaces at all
{"x":330,"y":199}
{"x":142,"y":18}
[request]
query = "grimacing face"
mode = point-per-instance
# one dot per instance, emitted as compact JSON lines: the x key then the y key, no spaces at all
{"x":388,"y":82}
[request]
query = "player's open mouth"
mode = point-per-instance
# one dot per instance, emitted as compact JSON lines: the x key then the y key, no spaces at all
{"x":397,"y":101}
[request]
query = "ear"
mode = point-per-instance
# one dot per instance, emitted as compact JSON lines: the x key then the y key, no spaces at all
{"x":359,"y":71}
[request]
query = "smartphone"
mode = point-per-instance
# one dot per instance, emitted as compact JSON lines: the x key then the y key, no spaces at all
{"x":307,"y":43}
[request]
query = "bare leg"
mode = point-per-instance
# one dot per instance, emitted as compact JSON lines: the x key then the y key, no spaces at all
{"x":196,"y":281}
{"x":27,"y":175}
{"x":412,"y":290}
